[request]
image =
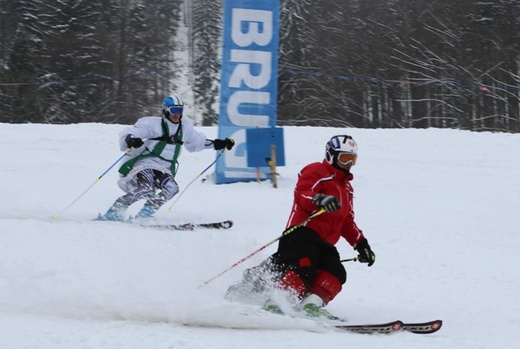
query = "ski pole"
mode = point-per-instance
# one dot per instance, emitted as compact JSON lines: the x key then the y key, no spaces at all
{"x":194,"y":179}
{"x":286,"y":232}
{"x":97,"y":180}
{"x":355,"y":259}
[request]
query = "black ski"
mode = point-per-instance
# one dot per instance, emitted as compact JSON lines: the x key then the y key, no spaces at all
{"x":373,"y":328}
{"x":186,"y":226}
{"x":394,"y":326}
{"x":191,"y":226}
{"x":423,"y":327}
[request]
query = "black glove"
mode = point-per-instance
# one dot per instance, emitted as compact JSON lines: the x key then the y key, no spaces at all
{"x":133,"y":142}
{"x":227,"y":143}
{"x":366,"y":255}
{"x":327,"y":202}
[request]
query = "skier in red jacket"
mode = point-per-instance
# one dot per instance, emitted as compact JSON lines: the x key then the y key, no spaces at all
{"x":307,"y":263}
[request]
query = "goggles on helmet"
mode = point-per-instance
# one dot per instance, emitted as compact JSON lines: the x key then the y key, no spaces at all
{"x":175,"y":109}
{"x":347,"y":159}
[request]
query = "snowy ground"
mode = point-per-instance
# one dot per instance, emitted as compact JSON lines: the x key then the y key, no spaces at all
{"x":439,"y":207}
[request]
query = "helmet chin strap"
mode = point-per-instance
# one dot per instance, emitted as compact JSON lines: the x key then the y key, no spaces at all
{"x":333,"y":160}
{"x":339,"y":167}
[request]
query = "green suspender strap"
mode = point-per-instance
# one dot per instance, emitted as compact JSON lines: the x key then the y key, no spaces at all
{"x":158,"y":149}
{"x":177,"y":139}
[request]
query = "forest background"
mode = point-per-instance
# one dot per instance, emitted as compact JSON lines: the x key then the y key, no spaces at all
{"x":357,"y":63}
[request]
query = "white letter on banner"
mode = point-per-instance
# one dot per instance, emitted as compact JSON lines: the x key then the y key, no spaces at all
{"x":250,"y":97}
{"x":255,"y":34}
{"x":242,"y":72}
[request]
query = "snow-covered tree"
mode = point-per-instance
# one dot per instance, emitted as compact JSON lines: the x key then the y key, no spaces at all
{"x":207,"y":29}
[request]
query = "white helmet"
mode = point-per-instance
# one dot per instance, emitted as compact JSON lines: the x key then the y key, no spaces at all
{"x":341,"y":152}
{"x":172,"y":104}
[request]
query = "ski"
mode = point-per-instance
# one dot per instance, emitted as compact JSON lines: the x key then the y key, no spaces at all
{"x":192,"y":226}
{"x":373,"y":328}
{"x":423,"y":327}
{"x":384,"y":328}
{"x":185,"y":226}
{"x":394,"y":326}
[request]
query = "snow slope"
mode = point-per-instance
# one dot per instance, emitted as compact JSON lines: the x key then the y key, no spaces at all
{"x":439,"y":207}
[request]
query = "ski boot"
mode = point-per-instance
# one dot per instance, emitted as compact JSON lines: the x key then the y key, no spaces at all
{"x":113,"y":214}
{"x":273,"y":308}
{"x":145,"y":213}
{"x":312,"y":305}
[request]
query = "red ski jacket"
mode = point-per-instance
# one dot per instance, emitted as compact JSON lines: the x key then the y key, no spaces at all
{"x":323,"y":178}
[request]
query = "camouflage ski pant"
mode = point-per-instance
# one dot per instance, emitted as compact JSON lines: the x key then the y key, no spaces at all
{"x":156,"y":186}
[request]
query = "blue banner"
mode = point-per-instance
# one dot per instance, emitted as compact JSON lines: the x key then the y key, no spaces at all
{"x":248,"y":85}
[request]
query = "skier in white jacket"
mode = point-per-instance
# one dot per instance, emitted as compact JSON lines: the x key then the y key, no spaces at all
{"x":149,"y":169}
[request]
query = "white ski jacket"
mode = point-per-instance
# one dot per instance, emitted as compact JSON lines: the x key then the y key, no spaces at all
{"x":150,"y":127}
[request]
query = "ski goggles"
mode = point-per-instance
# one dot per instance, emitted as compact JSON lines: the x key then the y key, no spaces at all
{"x":175,"y":109}
{"x":347,"y":159}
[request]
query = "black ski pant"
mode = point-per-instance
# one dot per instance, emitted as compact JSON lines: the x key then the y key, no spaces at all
{"x":304,"y":252}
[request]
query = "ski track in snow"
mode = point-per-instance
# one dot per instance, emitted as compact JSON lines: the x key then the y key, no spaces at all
{"x":439,"y":208}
